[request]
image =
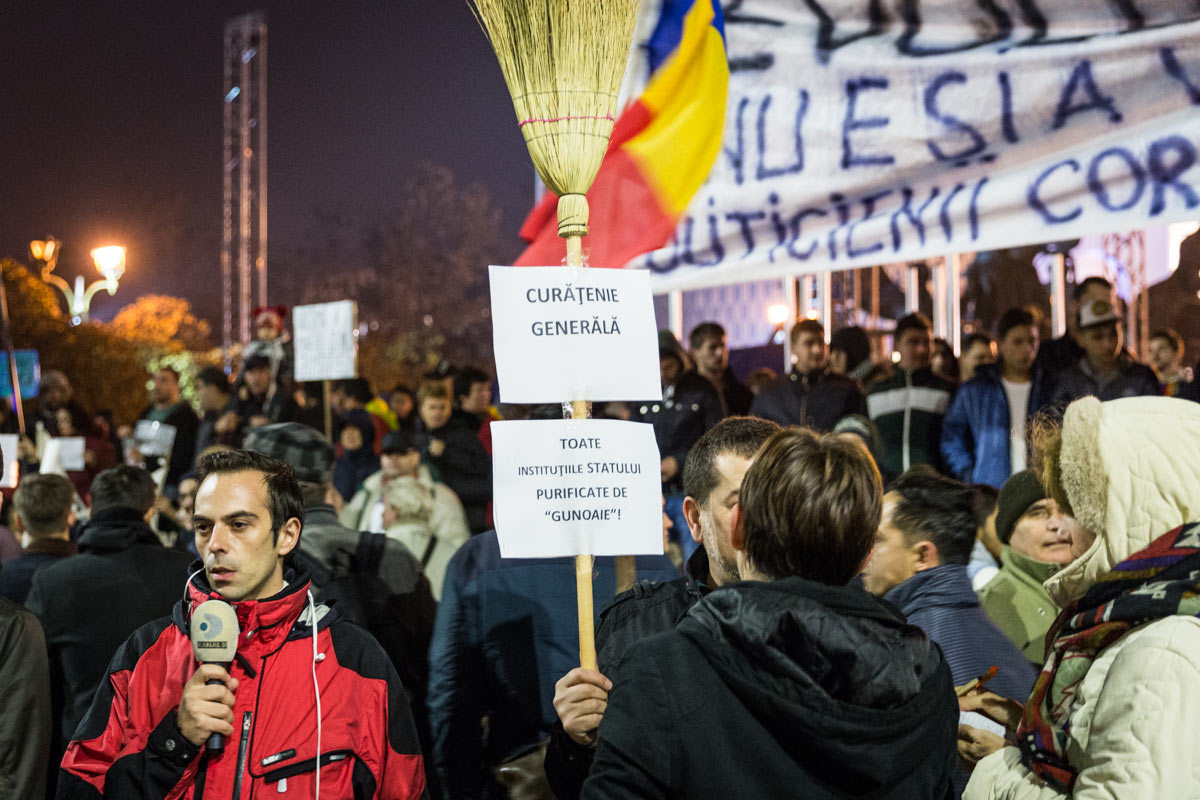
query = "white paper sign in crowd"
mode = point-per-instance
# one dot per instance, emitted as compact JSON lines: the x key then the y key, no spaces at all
{"x":576,"y":486}
{"x":325,"y":344}
{"x":869,"y":133}
{"x":8,"y":446}
{"x":573,"y":333}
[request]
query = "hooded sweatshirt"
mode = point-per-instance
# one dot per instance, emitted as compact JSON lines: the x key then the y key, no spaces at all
{"x":789,"y":688}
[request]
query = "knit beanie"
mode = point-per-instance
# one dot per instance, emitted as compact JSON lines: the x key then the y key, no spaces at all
{"x":1020,"y":492}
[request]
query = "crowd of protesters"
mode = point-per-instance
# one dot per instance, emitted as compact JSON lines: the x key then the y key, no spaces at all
{"x":843,"y":546}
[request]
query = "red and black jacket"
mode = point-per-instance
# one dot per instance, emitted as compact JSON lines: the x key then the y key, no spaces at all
{"x":130,"y":746}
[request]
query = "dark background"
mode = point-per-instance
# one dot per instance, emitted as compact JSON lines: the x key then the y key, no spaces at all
{"x":111,"y":129}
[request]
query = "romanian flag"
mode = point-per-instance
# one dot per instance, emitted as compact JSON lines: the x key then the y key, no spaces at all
{"x":661,"y":150}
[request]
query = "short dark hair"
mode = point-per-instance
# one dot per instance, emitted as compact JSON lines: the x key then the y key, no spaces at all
{"x":1015,"y":318}
{"x":355,"y":388}
{"x":983,"y":502}
{"x":174,"y":372}
{"x":936,"y":509}
{"x":284,"y":497}
{"x":465,"y":378}
{"x":1173,"y":338}
{"x":915,"y":321}
{"x":215,"y":377}
{"x":703,"y":332}
{"x":806,"y":325}
{"x":123,"y":486}
{"x":1095,"y":280}
{"x":43,"y":502}
{"x":973,"y":339}
{"x":811,"y":505}
{"x":741,"y":436}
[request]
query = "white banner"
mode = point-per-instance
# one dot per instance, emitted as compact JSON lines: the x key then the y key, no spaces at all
{"x":326,"y":347}
{"x":861,"y":133}
{"x":576,"y":486}
{"x":571,"y":333}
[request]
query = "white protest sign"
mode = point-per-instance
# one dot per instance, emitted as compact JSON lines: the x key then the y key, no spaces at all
{"x":326,"y":344}
{"x":70,"y":450}
{"x":573,"y":333}
{"x":871,"y":133}
{"x":154,"y":438}
{"x":8,"y":445}
{"x":576,"y":486}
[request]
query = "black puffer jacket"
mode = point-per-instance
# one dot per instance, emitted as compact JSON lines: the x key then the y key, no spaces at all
{"x":817,"y":400}
{"x":783,"y":689}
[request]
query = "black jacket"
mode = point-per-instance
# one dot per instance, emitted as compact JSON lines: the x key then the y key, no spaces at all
{"x":689,"y":407}
{"x":90,"y":603}
{"x":645,"y":610}
{"x":817,"y":400}
{"x":17,"y":576}
{"x":736,"y":396}
{"x":1131,"y":380}
{"x":465,"y":466}
{"x":788,"y":689}
{"x":25,"y":689}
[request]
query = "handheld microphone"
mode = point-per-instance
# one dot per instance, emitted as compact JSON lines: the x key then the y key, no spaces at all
{"x":214,"y":633}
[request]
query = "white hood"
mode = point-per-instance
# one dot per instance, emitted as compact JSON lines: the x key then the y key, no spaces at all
{"x":1131,"y":470}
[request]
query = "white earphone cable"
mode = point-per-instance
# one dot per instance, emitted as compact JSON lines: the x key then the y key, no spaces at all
{"x":316,"y":690}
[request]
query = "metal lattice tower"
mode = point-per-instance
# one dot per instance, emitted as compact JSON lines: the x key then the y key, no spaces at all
{"x":245,"y":172}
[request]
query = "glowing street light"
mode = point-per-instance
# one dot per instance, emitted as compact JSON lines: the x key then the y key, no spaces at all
{"x":109,"y":262}
{"x":777,"y":314}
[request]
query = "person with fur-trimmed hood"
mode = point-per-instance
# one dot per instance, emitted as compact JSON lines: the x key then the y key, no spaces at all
{"x":1113,"y":711}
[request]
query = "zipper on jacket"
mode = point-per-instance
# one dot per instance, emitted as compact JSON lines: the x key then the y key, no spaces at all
{"x":804,"y":401}
{"x":243,"y":753}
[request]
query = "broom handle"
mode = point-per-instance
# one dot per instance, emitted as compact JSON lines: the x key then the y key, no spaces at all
{"x":583,"y":564}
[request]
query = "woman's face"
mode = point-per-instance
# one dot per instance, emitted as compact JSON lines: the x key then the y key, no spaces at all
{"x":1079,"y":537}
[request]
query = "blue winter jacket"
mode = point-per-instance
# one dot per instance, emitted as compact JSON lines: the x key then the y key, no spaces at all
{"x":506,"y":631}
{"x":940,"y":602}
{"x":976,"y":430}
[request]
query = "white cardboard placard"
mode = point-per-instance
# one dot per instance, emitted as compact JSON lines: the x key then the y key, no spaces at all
{"x":71,"y":450}
{"x":8,"y":445}
{"x":574,"y":333}
{"x":154,"y":438}
{"x":576,"y":486}
{"x":325,"y":342}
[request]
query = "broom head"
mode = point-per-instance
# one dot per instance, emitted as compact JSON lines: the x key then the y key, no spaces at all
{"x":563,"y":61}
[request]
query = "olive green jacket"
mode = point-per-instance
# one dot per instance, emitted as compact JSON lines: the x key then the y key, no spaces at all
{"x":1017,"y":603}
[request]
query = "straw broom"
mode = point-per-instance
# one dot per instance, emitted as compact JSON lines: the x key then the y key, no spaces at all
{"x":563,"y":61}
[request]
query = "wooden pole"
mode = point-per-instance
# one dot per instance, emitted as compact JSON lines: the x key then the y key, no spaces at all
{"x":583,"y":563}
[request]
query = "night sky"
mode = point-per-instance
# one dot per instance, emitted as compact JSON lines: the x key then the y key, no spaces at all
{"x":111,"y":129}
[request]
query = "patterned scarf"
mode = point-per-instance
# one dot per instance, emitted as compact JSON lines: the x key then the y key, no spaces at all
{"x":1160,"y":581}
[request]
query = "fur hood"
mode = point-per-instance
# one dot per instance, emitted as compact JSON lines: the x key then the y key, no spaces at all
{"x":1131,"y":470}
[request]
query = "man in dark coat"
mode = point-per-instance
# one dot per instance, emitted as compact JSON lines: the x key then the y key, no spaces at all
{"x":709,"y":351}
{"x":711,"y":481}
{"x":506,"y":629}
{"x":1106,"y":369}
{"x":44,"y":508}
{"x":793,"y":682}
{"x":689,"y":407}
{"x":90,"y":603}
{"x":809,"y":395}
{"x":167,"y":408}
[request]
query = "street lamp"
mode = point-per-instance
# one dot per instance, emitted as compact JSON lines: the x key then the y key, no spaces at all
{"x":109,"y":262}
